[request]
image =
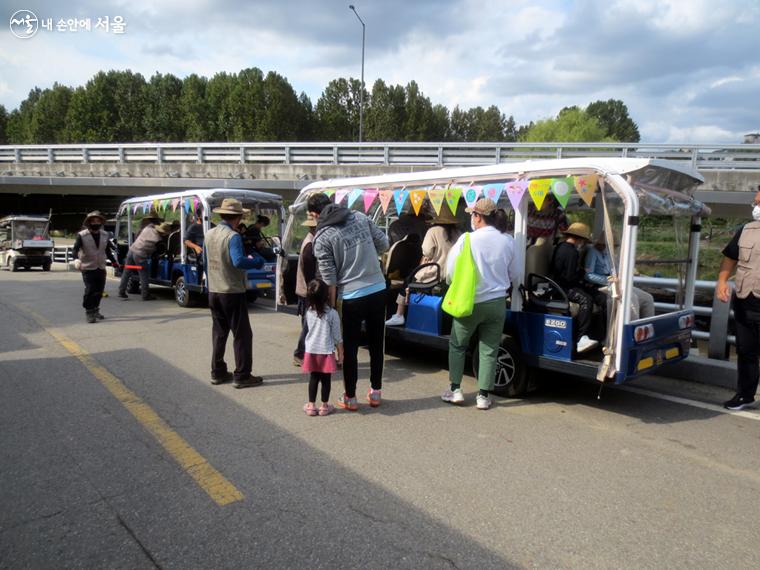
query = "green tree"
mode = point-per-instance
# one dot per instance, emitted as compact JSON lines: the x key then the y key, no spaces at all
{"x":337,"y":111}
{"x":3,"y":125}
{"x":220,"y":108}
{"x":614,"y":119}
{"x":418,"y":125}
{"x":247,"y":105}
{"x":194,"y":108}
{"x":486,"y":124}
{"x":307,"y":122}
{"x":439,"y":124}
{"x":48,"y":116}
{"x":281,"y":113}
{"x":510,"y":129}
{"x":460,"y":129}
{"x":163,"y":117}
{"x":20,"y":120}
{"x":571,"y":125}
{"x":384,"y":115}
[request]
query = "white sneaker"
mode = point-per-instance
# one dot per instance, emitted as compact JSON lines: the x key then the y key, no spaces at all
{"x":585,"y":343}
{"x":395,"y":321}
{"x":482,"y":402}
{"x":455,"y":397}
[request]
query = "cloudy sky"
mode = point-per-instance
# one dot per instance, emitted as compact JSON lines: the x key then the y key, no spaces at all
{"x":689,"y":70}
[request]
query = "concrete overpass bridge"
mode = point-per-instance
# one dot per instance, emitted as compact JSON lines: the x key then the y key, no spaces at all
{"x":72,"y":179}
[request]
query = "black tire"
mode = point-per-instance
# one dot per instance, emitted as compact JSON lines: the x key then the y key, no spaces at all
{"x":511,"y":370}
{"x":46,"y":266}
{"x":182,"y":294}
{"x":14,"y":266}
{"x":251,"y":296}
{"x":133,"y":285}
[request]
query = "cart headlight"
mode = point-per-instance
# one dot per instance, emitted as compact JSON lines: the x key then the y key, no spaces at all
{"x":643,"y":332}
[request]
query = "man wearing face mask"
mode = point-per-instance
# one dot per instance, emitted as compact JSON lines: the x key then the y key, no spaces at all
{"x":90,"y":252}
{"x":743,"y":255}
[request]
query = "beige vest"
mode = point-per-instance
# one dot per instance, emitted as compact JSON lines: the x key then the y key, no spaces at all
{"x":748,"y":264}
{"x":93,"y":256}
{"x":301,"y":285}
{"x":223,"y":277}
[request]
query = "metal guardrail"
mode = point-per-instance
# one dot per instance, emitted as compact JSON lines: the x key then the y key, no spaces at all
{"x":702,"y":156}
{"x":720,"y":315}
{"x":63,"y":254}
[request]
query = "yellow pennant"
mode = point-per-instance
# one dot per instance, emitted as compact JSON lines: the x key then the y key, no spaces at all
{"x":417,"y":197}
{"x":436,"y":199}
{"x":539,"y":190}
{"x":586,"y":186}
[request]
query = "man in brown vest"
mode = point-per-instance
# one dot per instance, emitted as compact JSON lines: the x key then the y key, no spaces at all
{"x":138,"y":255}
{"x":90,"y":252}
{"x":226,"y":271}
{"x":743,"y":254}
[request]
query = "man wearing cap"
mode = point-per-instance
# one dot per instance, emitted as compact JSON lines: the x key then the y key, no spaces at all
{"x":138,"y":255}
{"x":496,"y":264}
{"x":347,"y":245}
{"x":566,"y":270}
{"x":226,"y":267}
{"x":306,"y":271}
{"x":90,"y":252}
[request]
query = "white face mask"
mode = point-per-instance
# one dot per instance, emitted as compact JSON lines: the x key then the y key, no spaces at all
{"x":756,"y":213}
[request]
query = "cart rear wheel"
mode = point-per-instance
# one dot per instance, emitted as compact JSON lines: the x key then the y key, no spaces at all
{"x":182,"y":294}
{"x":511,"y":371}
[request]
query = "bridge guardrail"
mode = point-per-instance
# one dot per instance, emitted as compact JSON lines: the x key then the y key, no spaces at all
{"x":702,"y":156}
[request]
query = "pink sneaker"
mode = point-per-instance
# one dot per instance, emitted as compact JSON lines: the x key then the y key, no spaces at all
{"x":310,"y":409}
{"x":326,"y":409}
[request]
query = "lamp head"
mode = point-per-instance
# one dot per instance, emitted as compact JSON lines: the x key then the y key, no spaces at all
{"x":351,"y":7}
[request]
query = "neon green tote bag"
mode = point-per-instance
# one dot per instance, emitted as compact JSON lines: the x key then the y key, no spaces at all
{"x":460,"y":297}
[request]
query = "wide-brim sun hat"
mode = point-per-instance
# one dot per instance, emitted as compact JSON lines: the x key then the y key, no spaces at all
{"x":153,"y":215}
{"x":444,"y":217}
{"x":94,"y":214}
{"x":484,"y":207}
{"x":165,"y":228}
{"x":578,"y":229}
{"x":231,"y":206}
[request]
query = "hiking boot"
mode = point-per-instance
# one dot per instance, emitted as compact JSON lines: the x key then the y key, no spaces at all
{"x":374,"y":397}
{"x":453,"y":397}
{"x":123,"y":295}
{"x":482,"y":402}
{"x":347,"y":403}
{"x":738,"y":403}
{"x":220,"y":378}
{"x":91,"y":318}
{"x":99,"y":316}
{"x":248,"y":382}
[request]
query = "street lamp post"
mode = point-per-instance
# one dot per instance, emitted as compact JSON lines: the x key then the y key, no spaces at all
{"x":361,"y":94}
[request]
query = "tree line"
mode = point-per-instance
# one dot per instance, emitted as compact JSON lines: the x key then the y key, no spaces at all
{"x":122,"y":107}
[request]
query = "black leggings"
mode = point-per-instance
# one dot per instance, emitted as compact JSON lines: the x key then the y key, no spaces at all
{"x":314,"y":379}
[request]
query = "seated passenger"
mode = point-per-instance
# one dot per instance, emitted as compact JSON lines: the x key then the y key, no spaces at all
{"x":435,"y":249}
{"x":403,"y":256}
{"x":193,"y":237}
{"x":598,"y":269}
{"x":546,"y":221}
{"x":405,"y":225}
{"x":566,"y":270}
{"x":262,"y":248}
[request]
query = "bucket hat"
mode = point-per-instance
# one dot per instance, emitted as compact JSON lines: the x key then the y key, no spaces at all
{"x":578,"y":229}
{"x":94,"y":214}
{"x":231,"y":206}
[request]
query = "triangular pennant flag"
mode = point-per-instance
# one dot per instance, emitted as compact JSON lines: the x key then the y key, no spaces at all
{"x":561,"y":188}
{"x":340,"y":194}
{"x":135,"y":208}
{"x":369,"y":197}
{"x":436,"y":199}
{"x":175,"y":203}
{"x":493,"y":191}
{"x":187,"y":206}
{"x":515,"y":192}
{"x":353,"y":196}
{"x":155,"y":205}
{"x":399,"y":196}
{"x":329,"y":192}
{"x":385,"y":198}
{"x":146,"y":207}
{"x":452,"y":198}
{"x":417,"y":197}
{"x":586,"y":186}
{"x":471,"y":195}
{"x":193,"y":204}
{"x":539,"y":190}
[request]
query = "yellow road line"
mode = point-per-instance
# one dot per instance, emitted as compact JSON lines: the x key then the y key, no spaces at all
{"x":210,"y":480}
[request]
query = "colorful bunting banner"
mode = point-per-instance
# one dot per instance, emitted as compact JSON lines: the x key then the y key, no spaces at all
{"x":155,"y":205}
{"x":471,"y":195}
{"x":562,"y":188}
{"x":385,"y":198}
{"x":135,"y":208}
{"x":186,"y":206}
{"x":539,"y":190}
{"x":196,"y":204}
{"x":175,"y":203}
{"x":353,"y":196}
{"x":516,"y":191}
{"x":369,"y":197}
{"x":417,"y":197}
{"x":436,"y":199}
{"x":493,"y":191}
{"x":452,"y":198}
{"x":587,"y":186}
{"x":339,"y":195}
{"x":399,"y":196}
{"x":193,"y":204}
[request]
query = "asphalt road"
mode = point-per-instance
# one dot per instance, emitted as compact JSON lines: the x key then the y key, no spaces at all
{"x":114,"y":449}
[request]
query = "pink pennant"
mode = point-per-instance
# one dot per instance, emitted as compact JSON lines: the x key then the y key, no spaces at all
{"x":369,"y":197}
{"x":175,"y":203}
{"x":516,"y":190}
